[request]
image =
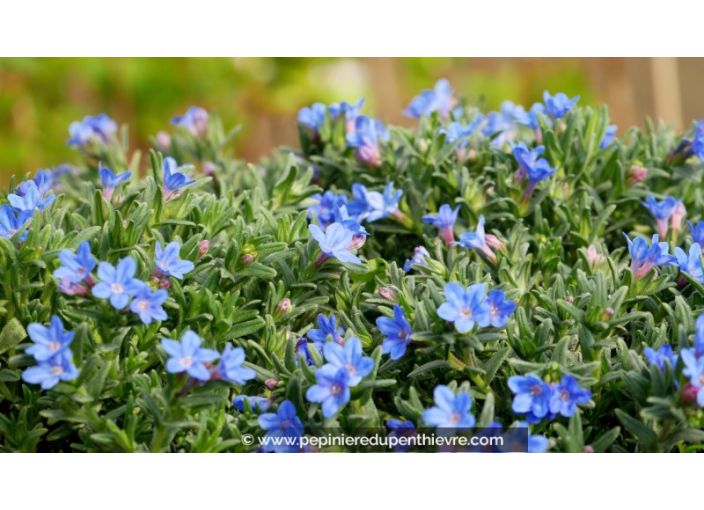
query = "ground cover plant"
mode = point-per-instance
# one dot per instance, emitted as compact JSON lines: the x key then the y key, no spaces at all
{"x":524,"y":269}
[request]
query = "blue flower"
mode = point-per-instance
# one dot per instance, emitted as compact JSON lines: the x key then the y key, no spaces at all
{"x":173,"y":180}
{"x":301,"y":350}
{"x":609,"y":137}
{"x":195,"y":120}
{"x":694,"y":369}
{"x":465,"y":307}
{"x":500,"y":309}
{"x":397,"y":331}
{"x":365,"y":139}
{"x":329,"y":331}
{"x":532,"y":117}
{"x":532,"y":395}
{"x":698,"y":141}
{"x":559,"y":105}
{"x":118,"y":284}
{"x":167,"y":261}
{"x":644,"y":257}
{"x":335,"y":242}
{"x":313,"y":117}
{"x":401,"y":429}
{"x":99,"y":127}
{"x":351,"y":358}
{"x":349,"y":110}
{"x":10,"y":223}
{"x":538,"y":173}
{"x":284,"y":428}
{"x":661,"y":211}
{"x":48,"y":373}
{"x":76,"y":266}
{"x":504,"y":123}
{"x":458,"y":132}
{"x":257,"y":404}
{"x":692,"y":264}
{"x":450,"y":411}
{"x":324,"y":210}
{"x":31,"y":199}
{"x":419,"y":254}
{"x":661,"y":356}
{"x":699,"y":336}
{"x":445,"y":221}
{"x":331,"y":389}
{"x":440,"y":100}
{"x":147,"y":303}
{"x":372,"y":205}
{"x":536,"y":444}
{"x":567,"y":395}
{"x":526,"y":158}
{"x":481,"y":241}
{"x":697,"y":232}
{"x":48,"y":342}
{"x":350,"y":223}
{"x":111,"y":181}
{"x":43,"y":182}
{"x":188,"y":356}
{"x":230,"y":366}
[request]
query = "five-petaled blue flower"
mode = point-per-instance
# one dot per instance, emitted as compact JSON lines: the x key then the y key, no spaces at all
{"x":283,"y":429}
{"x":661,"y":211}
{"x":173,"y":179}
{"x":440,"y":99}
{"x":450,"y":411}
{"x":195,"y":120}
{"x":419,"y":254}
{"x":526,"y":158}
{"x":372,"y":205}
{"x":147,"y":303}
{"x":76,"y":266}
{"x":350,"y":223}
{"x":230,"y":366}
{"x":188,"y":356}
{"x":168,"y":261}
{"x":335,"y":242}
{"x":398,"y":333}
{"x":325,"y":209}
{"x":331,"y":389}
{"x":11,"y":223}
{"x":644,"y":257}
{"x":329,"y":331}
{"x":660,"y":357}
{"x":502,"y":124}
{"x":567,"y":395}
{"x":691,"y":264}
{"x":118,"y":284}
{"x":98,"y":127}
{"x":694,"y":369}
{"x":313,"y":116}
{"x":111,"y":181}
{"x":465,"y":307}
{"x":532,"y":395}
{"x":351,"y":358}
{"x":256,"y":404}
{"x":48,"y":373}
{"x":697,"y":232}
{"x":445,"y":221}
{"x":500,"y":309}
{"x":609,"y":137}
{"x":31,"y":199}
{"x":48,"y":342}
{"x":365,"y":139}
{"x":531,"y":118}
{"x":559,"y":105}
{"x":458,"y":132}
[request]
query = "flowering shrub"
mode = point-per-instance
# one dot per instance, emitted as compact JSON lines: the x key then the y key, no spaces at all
{"x":510,"y":270}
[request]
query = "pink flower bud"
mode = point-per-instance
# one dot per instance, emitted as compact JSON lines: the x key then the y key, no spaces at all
{"x":203,"y":248}
{"x":209,"y":168}
{"x":593,"y":257}
{"x":163,"y":141}
{"x":569,"y":299}
{"x":284,"y":306}
{"x":637,"y":174}
{"x":165,"y":283}
{"x":678,"y":214}
{"x":247,"y":258}
{"x":609,"y":312}
{"x":588,"y":449}
{"x":387,"y":293}
{"x":271,"y":384}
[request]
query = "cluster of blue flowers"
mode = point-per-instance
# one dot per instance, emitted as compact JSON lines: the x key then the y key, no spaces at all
{"x":537,"y":399}
{"x":98,"y":128}
{"x":187,"y":356}
{"x":328,"y":331}
{"x":470,"y":307}
{"x":52,"y":353}
{"x":32,"y":195}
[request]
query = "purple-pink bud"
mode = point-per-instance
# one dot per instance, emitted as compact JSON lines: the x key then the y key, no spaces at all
{"x":209,"y":168}
{"x":271,"y":384}
{"x":163,"y":141}
{"x":387,"y":293}
{"x":283,"y":306}
{"x":247,"y":258}
{"x":637,"y":174}
{"x":203,"y":248}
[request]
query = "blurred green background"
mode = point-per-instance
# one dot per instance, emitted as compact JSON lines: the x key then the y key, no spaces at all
{"x":39,"y":98}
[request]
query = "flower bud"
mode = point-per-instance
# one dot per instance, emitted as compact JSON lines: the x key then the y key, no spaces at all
{"x":203,"y":248}
{"x":247,"y":258}
{"x":637,"y":174}
{"x":163,"y":141}
{"x":283,"y":307}
{"x":271,"y":384}
{"x":165,"y":283}
{"x":588,"y":449}
{"x":678,"y":214}
{"x":593,"y":257}
{"x":387,"y":293}
{"x":569,"y":299}
{"x":209,"y":168}
{"x":609,"y":312}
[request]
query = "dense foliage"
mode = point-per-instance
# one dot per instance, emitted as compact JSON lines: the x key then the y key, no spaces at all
{"x":473,"y":271}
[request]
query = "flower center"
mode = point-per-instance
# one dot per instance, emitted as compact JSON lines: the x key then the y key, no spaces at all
{"x":57,"y":370}
{"x":466,"y":312}
{"x":164,"y":265}
{"x":187,"y":361}
{"x":336,"y":389}
{"x":565,"y":395}
{"x":54,"y":346}
{"x":117,"y":288}
{"x":351,"y":369}
{"x":143,"y":305}
{"x":494,"y":310}
{"x":455,"y":417}
{"x":536,"y":389}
